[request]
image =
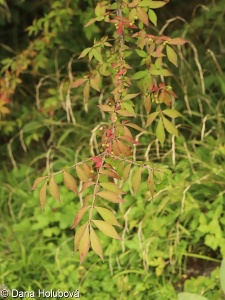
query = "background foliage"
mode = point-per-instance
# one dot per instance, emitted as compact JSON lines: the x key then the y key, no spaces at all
{"x":172,"y":244}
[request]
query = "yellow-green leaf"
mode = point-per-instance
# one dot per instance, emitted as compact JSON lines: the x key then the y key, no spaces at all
{"x":170,"y":127}
{"x":84,"y":52}
{"x":86,"y":91}
{"x":70,"y":182}
{"x":37,"y":181}
{"x":108,"y":216}
{"x":110,"y":186}
{"x":110,"y":196}
{"x":151,"y":118}
{"x":171,"y":54}
{"x":155,"y":4}
{"x":150,"y":183}
{"x":139,"y":75}
{"x":78,"y":235}
{"x":107,"y":229}
{"x":84,"y":244}
{"x":42,"y":195}
{"x":53,"y":189}
{"x":126,"y":172}
{"x":95,"y":243}
{"x":160,"y":132}
{"x":172,"y":113}
{"x":152,"y":16}
{"x":81,"y":174}
{"x":79,"y":216}
{"x":136,"y":180}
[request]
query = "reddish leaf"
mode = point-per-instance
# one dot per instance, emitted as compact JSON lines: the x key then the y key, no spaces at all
{"x":107,"y":229}
{"x":70,"y":182}
{"x":78,"y":82}
{"x":110,"y":196}
{"x":86,"y":185}
{"x":106,"y":108}
{"x":42,"y":195}
{"x":84,"y":244}
{"x":177,"y":41}
{"x":129,"y":139}
{"x":79,"y":216}
{"x":110,"y":173}
{"x":142,"y":15}
{"x":78,"y":235}
{"x":95,"y":243}
{"x":37,"y":181}
{"x":53,"y":189}
{"x":123,"y":149}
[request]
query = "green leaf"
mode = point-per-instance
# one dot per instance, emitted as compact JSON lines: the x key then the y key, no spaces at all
{"x":170,"y":127}
{"x":190,"y":296}
{"x":139,"y":75}
{"x":53,"y":189}
{"x":222,"y":275}
{"x":172,"y":113}
{"x":107,"y":229}
{"x":160,"y":132}
{"x":108,"y":216}
{"x":152,"y":16}
{"x":95,"y":243}
{"x":171,"y":54}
